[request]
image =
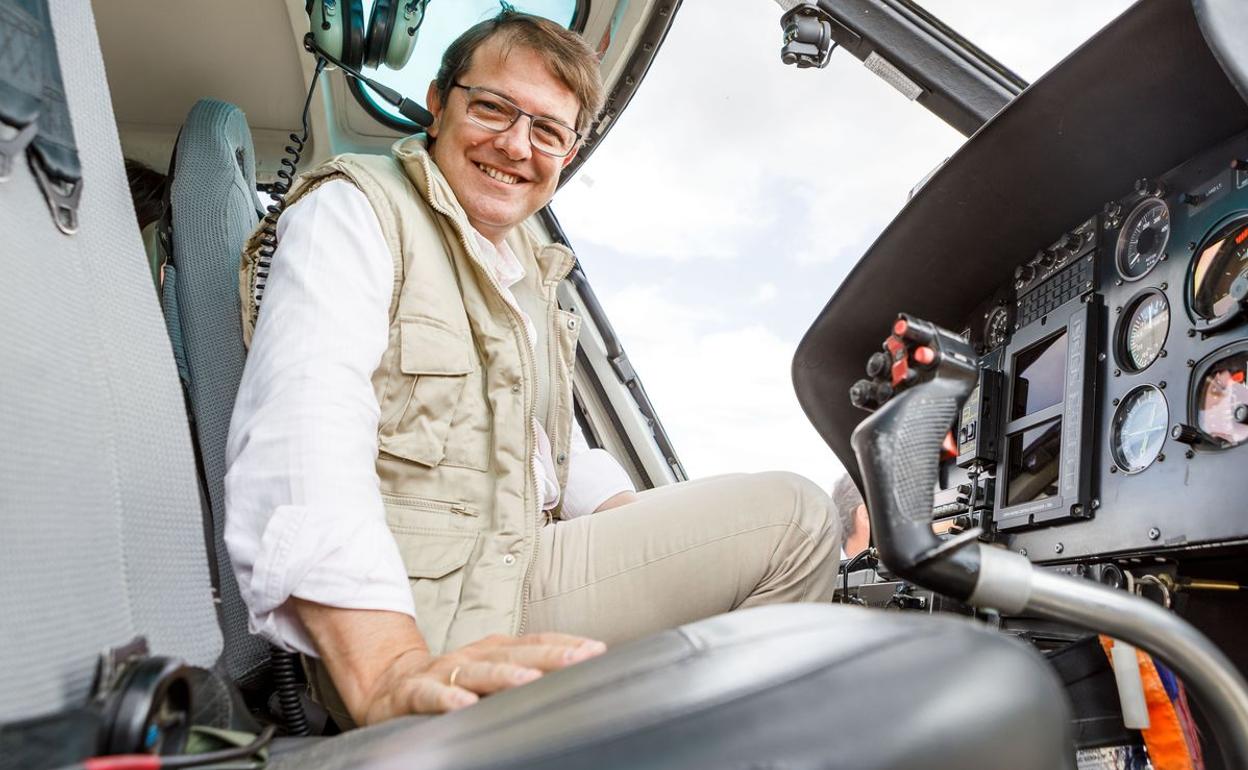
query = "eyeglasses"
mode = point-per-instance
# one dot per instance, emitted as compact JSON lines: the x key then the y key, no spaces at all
{"x":495,"y":112}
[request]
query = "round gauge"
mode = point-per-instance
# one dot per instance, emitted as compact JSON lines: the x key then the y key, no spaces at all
{"x":1220,"y":264}
{"x":1139,"y":428}
{"x":997,"y":327}
{"x":1143,"y":239}
{"x":1142,"y":330}
{"x":1222,"y":400}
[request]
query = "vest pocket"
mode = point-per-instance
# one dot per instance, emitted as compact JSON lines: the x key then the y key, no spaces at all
{"x":434,"y":366}
{"x":435,"y":560}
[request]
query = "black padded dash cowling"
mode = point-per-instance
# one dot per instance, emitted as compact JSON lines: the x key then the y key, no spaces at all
{"x":214,"y":210}
{"x":792,"y":686}
{"x":100,"y":534}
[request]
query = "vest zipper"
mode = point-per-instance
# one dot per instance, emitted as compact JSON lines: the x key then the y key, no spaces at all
{"x":531,"y":404}
{"x":438,"y":506}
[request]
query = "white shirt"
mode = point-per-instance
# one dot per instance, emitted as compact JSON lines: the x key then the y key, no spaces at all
{"x":304,"y":515}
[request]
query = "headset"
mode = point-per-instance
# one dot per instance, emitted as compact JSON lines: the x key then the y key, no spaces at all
{"x":389,"y":37}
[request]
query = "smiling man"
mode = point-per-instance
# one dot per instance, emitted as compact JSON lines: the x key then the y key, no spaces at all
{"x":408,"y":496}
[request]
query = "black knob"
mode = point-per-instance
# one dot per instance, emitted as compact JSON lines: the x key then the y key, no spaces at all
{"x":1241,"y":414}
{"x":1045,"y":259}
{"x":1147,"y":187}
{"x":878,"y":364}
{"x":1023,"y":274}
{"x":1186,"y":434}
{"x":1113,"y":209}
{"x":1072,"y":242}
{"x":862,"y":395}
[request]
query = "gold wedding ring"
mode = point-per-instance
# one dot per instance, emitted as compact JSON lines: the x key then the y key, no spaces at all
{"x":454,"y":673}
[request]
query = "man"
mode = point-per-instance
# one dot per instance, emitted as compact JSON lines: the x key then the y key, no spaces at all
{"x":406,"y":486}
{"x":852,"y":511}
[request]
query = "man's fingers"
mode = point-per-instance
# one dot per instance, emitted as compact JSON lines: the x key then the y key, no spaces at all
{"x":426,"y":695}
{"x":487,"y":677}
{"x":557,"y":639}
{"x":544,"y":657}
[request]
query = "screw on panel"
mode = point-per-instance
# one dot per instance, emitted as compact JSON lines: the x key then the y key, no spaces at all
{"x":1162,"y":384}
{"x":1100,"y":357}
{"x":1164,"y":286}
{"x":1116,"y":401}
{"x":1113,"y":469}
{"x":1117,"y":372}
{"x":1076,"y":510}
{"x":1189,"y":454}
{"x":1058,"y":548}
{"x":1118,"y":309}
{"x":1191,"y":245}
{"x":1162,"y":353}
{"x":1190,"y":363}
{"x":1165,"y":255}
{"x":1022,"y":551}
{"x":1117,"y":281}
{"x":1191,"y":332}
{"x":1161,"y":457}
{"x":1095,"y":503}
{"x":1153,"y":533}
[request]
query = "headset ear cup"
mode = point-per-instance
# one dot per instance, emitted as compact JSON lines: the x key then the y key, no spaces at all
{"x":380,"y":23}
{"x":402,"y":39}
{"x":338,"y":28}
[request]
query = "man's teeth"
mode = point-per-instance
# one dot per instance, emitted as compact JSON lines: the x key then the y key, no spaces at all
{"x":494,"y":173}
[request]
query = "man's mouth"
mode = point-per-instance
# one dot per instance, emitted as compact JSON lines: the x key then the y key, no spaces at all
{"x":499,"y":176}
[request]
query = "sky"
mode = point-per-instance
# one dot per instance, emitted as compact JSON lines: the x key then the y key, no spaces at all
{"x":734,"y":195}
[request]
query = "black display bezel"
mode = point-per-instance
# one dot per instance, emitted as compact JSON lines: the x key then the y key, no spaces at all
{"x":1122,"y":354}
{"x":1079,"y":319}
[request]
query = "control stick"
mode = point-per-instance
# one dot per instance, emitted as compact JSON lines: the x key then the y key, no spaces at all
{"x":930,"y":373}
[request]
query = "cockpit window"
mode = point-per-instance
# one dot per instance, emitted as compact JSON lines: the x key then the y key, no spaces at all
{"x":444,"y":21}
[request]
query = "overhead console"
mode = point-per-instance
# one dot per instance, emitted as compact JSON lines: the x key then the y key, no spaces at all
{"x":1091,"y":242}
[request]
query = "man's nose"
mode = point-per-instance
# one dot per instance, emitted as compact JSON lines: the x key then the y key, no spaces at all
{"x":514,"y":142}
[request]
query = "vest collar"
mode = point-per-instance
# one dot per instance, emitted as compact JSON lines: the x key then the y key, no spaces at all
{"x":554,"y":261}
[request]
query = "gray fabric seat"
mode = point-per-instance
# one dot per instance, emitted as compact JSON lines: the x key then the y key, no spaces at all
{"x":100,"y":534}
{"x":214,"y":208}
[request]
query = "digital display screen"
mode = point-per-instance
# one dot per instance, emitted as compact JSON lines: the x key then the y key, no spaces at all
{"x":1039,"y":376}
{"x":1035,"y":460}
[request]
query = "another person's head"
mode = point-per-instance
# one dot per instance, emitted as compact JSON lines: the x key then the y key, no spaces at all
{"x":500,"y":177}
{"x":855,"y":523}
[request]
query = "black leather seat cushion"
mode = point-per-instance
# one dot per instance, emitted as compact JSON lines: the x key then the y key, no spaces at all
{"x":793,"y":686}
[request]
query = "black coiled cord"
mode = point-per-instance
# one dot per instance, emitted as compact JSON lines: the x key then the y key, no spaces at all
{"x":288,"y":697}
{"x":278,"y":190}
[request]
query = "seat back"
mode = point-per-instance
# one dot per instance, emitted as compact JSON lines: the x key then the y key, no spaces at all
{"x":100,"y":534}
{"x":213,"y":209}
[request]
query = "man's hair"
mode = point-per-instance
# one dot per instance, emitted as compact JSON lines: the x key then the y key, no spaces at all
{"x":566,"y":54}
{"x":846,"y":498}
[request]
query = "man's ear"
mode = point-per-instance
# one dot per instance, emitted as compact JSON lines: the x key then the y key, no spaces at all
{"x":568,"y":158}
{"x":434,"y":101}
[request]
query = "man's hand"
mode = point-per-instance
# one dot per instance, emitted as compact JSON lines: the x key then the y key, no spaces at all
{"x":382,"y":668}
{"x":417,"y":683}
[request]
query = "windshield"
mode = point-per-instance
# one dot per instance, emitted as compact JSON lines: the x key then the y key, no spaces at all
{"x":735,"y":194}
{"x":444,"y":21}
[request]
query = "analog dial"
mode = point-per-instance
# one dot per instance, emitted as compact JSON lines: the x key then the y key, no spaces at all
{"x":1144,"y":330}
{"x":1222,"y":401}
{"x":997,"y":327}
{"x":1139,"y":428}
{"x":1143,"y":239}
{"x":1218,"y":266}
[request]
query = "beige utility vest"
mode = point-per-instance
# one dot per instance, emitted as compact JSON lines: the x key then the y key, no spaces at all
{"x":459,"y":386}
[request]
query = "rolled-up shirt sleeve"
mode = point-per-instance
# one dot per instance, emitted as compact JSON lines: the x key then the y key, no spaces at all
{"x":304,"y":515}
{"x":594,"y":477}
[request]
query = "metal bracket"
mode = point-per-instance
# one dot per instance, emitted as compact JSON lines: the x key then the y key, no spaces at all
{"x":62,"y":196}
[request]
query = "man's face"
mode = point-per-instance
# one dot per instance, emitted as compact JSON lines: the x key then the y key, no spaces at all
{"x":468,"y":154}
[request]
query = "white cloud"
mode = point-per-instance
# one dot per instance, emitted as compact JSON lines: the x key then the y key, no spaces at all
{"x":765,"y":294}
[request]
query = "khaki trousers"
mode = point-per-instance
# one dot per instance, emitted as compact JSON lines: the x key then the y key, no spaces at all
{"x":683,"y":552}
{"x":680,"y":553}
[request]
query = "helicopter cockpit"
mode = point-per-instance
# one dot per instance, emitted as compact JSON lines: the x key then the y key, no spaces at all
{"x":1058,"y":406}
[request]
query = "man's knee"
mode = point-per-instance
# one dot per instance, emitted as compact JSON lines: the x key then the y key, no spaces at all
{"x":810,"y":506}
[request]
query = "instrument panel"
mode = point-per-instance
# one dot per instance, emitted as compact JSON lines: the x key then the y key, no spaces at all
{"x":1113,"y":410}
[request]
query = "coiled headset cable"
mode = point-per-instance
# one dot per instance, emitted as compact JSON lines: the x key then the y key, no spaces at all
{"x":279,"y":189}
